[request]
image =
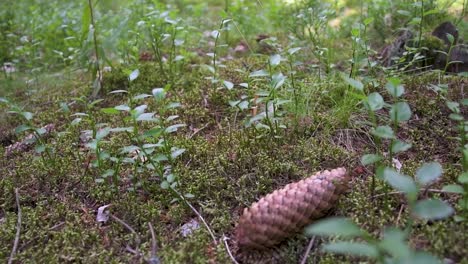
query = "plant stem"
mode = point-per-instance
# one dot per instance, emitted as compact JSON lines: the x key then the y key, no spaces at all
{"x":98,"y":68}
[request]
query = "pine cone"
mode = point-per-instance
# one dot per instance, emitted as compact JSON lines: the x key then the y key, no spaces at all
{"x":286,"y":211}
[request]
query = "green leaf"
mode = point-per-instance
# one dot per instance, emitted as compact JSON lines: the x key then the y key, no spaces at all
{"x":291,"y":51}
{"x":400,"y":182}
{"x":335,"y":226}
{"x":110,"y":111}
{"x":134,"y":75}
{"x":352,"y":248}
{"x":173,"y":128}
{"x":450,"y":38}
{"x":400,"y":112}
{"x":394,"y":87}
{"x":400,"y":146}
{"x":165,"y":185}
{"x":122,"y":129}
{"x":64,"y":106}
{"x":22,"y":128}
{"x":159,"y":93}
{"x":189,"y":195}
{"x":430,"y":12}
{"x":76,"y":121}
{"x":275,"y":59}
{"x":428,"y":173}
{"x":118,"y":91}
{"x":141,"y":96}
{"x":102,"y":133}
{"x":394,"y":243}
{"x":27,"y":115}
{"x":4,"y":100}
{"x":353,"y":83}
{"x":129,"y":149}
{"x":453,"y":106}
{"x":138,"y":110}
{"x":99,"y":180}
{"x":368,"y":20}
{"x":40,"y":148}
{"x":146,"y":117}
{"x":95,"y":102}
{"x":170,"y":178}
{"x":177,"y":152}
{"x":123,"y":108}
{"x":355,"y":32}
{"x":85,"y":22}
{"x":368,"y":159}
{"x":229,"y":85}
{"x":259,"y":73}
{"x":277,"y":80}
{"x":92,"y":144}
{"x":383,"y":132}
{"x":432,"y":209}
{"x":463,"y":178}
{"x":456,"y":117}
{"x":375,"y":101}
{"x":453,"y":188}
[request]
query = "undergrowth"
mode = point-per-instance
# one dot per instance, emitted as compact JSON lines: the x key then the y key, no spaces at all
{"x":204,"y":108}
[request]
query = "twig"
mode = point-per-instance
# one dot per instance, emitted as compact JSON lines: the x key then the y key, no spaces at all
{"x":56,"y":226}
{"x":153,"y":259}
{"x":131,"y":250}
{"x":428,"y":190}
{"x":309,"y":248}
{"x":120,"y":221}
{"x":399,"y":214}
{"x":225,"y":239}
{"x":18,"y":229}
{"x":198,"y":214}
{"x":196,"y":132}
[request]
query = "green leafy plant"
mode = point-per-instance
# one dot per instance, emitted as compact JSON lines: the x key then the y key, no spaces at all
{"x":399,"y":112}
{"x":461,"y":186}
{"x":46,"y":152}
{"x":393,"y":246}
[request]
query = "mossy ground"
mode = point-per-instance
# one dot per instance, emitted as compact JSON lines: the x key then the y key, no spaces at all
{"x":226,"y":166}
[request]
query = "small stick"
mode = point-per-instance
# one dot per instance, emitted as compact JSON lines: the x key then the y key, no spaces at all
{"x":197,"y":131}
{"x":120,"y":221}
{"x":428,"y":190}
{"x":309,"y":248}
{"x":399,"y":214}
{"x":18,"y":229}
{"x":225,"y":239}
{"x":56,"y":226}
{"x":153,"y":259}
{"x":198,"y":214}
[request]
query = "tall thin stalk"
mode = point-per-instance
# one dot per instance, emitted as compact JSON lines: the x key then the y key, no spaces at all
{"x":96,"y":47}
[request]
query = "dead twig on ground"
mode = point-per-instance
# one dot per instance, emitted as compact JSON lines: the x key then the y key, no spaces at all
{"x":399,"y":214}
{"x":137,"y":239}
{"x":198,"y":214}
{"x":18,"y":229}
{"x":198,"y":130}
{"x":309,"y":248}
{"x":225,"y":239}
{"x":153,"y":258}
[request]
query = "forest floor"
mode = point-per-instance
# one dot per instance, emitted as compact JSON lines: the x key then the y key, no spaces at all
{"x":214,"y":156}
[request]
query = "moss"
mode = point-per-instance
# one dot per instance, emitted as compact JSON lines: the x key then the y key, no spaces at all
{"x":225,"y":167}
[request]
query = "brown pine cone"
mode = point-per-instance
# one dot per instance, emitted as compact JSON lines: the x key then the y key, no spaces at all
{"x":284,"y":212}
